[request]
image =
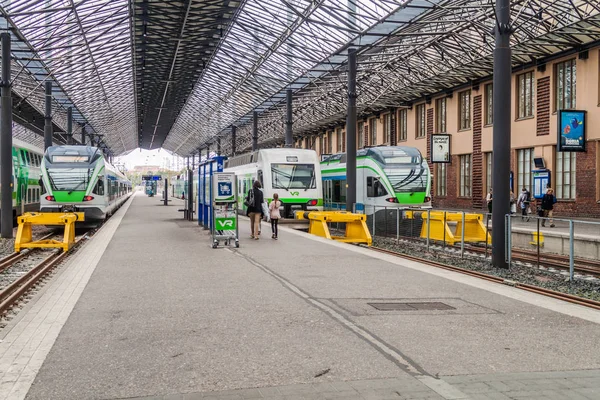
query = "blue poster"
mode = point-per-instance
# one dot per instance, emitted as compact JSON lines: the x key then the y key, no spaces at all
{"x":571,"y":130}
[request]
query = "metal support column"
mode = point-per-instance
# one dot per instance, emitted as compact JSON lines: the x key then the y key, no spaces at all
{"x":255,"y":132}
{"x":190,"y":194}
{"x":501,"y":133}
{"x":351,"y":133}
{"x":6,"y":141}
{"x":233,"y":139}
{"x":70,"y":125}
{"x":289,"y":137}
{"x":166,"y":190}
{"x":48,"y":116}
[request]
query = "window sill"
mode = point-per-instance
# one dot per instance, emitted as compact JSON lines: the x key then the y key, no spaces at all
{"x":566,"y":200}
{"x":525,"y":118}
{"x":420,"y":137}
{"x":488,"y":125}
{"x":464,"y":130}
{"x":465,"y":197}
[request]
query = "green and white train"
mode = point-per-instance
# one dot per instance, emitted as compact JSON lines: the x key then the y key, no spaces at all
{"x":79,"y":178}
{"x":25,"y":177}
{"x":386,"y":176}
{"x":293,"y":174}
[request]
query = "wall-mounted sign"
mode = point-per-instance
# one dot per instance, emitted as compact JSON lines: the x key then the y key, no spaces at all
{"x":571,"y":130}
{"x":440,"y":148}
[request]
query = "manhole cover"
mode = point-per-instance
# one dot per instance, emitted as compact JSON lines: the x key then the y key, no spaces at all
{"x":435,"y":305}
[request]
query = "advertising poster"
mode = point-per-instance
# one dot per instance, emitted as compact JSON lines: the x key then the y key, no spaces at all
{"x":571,"y":130}
{"x":440,"y":148}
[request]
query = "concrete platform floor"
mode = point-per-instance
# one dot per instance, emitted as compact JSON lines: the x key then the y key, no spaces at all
{"x":165,"y":316}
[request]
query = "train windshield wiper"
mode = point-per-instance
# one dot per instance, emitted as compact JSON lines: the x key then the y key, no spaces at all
{"x":78,"y":185}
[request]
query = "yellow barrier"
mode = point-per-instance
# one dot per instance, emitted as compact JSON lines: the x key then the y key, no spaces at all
{"x":475,"y":230}
{"x":538,"y":239}
{"x":356,"y":227}
{"x":27,"y":220}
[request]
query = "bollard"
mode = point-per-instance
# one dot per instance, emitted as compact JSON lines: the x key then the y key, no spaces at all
{"x":571,"y":251}
{"x":462,"y":237}
{"x":428,"y":226}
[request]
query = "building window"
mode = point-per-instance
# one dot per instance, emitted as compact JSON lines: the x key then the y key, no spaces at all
{"x":440,"y":115}
{"x":387,"y":128}
{"x":403,"y":125}
{"x":565,"y":74}
{"x":420,"y":121}
{"x":565,"y":175}
{"x":361,"y":135}
{"x":465,"y":175}
{"x":338,"y":140}
{"x":524,"y":167}
{"x":440,"y":179}
{"x":525,"y":94}
{"x":329,"y":142}
{"x":488,"y":171}
{"x":373,"y":131}
{"x":321,"y":148}
{"x":464,"y":108}
{"x":489,"y":104}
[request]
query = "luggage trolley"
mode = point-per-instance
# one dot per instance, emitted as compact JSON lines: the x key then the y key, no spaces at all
{"x":224,"y":209}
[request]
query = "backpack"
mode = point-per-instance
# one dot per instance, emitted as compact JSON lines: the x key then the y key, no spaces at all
{"x":527,"y":197}
{"x":249,"y":200}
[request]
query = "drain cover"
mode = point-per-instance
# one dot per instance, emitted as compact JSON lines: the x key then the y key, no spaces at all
{"x":429,"y":306}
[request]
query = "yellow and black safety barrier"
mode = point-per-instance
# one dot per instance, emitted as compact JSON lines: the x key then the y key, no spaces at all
{"x":26,"y":221}
{"x":438,"y":221}
{"x":356,"y":226}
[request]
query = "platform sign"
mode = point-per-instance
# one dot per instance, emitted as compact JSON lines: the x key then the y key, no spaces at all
{"x":571,"y":130}
{"x":224,"y":187}
{"x":225,"y":218}
{"x":440,"y":148}
{"x":541,"y":182}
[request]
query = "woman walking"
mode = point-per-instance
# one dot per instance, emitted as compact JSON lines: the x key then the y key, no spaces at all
{"x":274,"y":214}
{"x":254,"y":201}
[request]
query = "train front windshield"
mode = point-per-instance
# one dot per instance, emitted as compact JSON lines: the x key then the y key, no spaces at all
{"x":293,"y":176}
{"x":406,"y":171}
{"x":69,"y":179}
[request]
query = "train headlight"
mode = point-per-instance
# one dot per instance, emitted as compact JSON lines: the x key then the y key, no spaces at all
{"x":312,"y":202}
{"x":49,"y":198}
{"x":391,"y":200}
{"x":88,"y":198}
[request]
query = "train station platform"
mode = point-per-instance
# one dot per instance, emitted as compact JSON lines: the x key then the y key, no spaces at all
{"x":148,"y":310}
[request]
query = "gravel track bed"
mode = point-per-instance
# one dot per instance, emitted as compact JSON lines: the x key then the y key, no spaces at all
{"x":7,"y":246}
{"x":583,"y":285}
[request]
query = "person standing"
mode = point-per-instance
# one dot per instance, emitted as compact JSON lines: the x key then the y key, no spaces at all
{"x":488,"y":199}
{"x":523,"y":202}
{"x":274,"y":214}
{"x":254,"y":201}
{"x":547,"y":206}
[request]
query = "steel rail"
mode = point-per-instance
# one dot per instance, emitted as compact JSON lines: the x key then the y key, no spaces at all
{"x":11,"y":259}
{"x":523,"y":286}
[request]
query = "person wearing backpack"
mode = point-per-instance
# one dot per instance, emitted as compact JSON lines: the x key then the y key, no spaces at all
{"x":523,"y":202}
{"x":274,"y":214}
{"x":254,"y":201}
{"x":547,"y":206}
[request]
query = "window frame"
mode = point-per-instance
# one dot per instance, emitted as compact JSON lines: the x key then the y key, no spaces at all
{"x":521,"y":170}
{"x":525,"y":93}
{"x":572,"y":65}
{"x":441,"y":180}
{"x":465,"y":182}
{"x":561,"y":173}
{"x":464,"y":112}
{"x":489,"y":104}
{"x":373,"y":131}
{"x":403,"y":125}
{"x":420,"y":121}
{"x":441,"y":119}
{"x":360,"y":132}
{"x":387,"y":128}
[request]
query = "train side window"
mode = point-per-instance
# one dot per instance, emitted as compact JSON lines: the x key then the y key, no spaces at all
{"x":99,"y":188}
{"x":374,"y":187}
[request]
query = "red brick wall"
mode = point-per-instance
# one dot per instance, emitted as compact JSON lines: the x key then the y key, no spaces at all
{"x":543,"y":106}
{"x":477,"y":158}
{"x":366,"y":131}
{"x":586,"y":179}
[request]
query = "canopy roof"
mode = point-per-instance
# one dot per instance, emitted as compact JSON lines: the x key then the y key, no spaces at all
{"x":179,"y":74}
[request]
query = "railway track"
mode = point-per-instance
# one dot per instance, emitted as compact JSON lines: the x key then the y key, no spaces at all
{"x":27,"y":276}
{"x":556,"y":261}
{"x":530,"y":288}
